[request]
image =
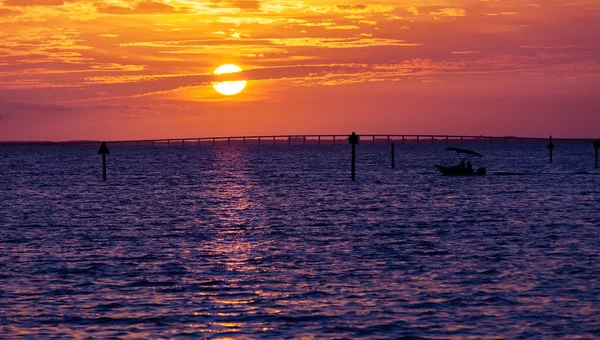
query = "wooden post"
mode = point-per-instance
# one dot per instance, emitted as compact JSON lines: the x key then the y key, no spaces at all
{"x":273,"y":140}
{"x":304,"y":142}
{"x":229,"y":141}
{"x":213,"y":141}
{"x":393,"y":160}
{"x":244,"y":140}
{"x":258,"y":140}
{"x":104,"y":167}
{"x":183,"y":142}
{"x":402,"y":140}
{"x":447,"y":140}
{"x":431,"y":139}
{"x":353,"y":139}
{"x":198,"y":141}
{"x":168,"y":142}
{"x":290,"y":140}
{"x":388,"y":139}
{"x":373,"y":140}
{"x":103,"y":151}
{"x":319,"y":140}
{"x":417,"y":139}
{"x":334,"y":140}
{"x":550,"y":148}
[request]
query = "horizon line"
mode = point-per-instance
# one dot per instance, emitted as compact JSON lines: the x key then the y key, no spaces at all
{"x":301,"y":136}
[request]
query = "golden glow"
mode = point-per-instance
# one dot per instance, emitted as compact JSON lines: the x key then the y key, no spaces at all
{"x":229,"y":88}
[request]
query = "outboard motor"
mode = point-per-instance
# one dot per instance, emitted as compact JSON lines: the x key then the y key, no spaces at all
{"x":481,"y":172}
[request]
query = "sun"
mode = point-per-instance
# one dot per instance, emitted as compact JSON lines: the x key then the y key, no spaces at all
{"x":229,"y":88}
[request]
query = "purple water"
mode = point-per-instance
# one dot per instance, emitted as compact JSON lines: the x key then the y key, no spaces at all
{"x":276,"y":241}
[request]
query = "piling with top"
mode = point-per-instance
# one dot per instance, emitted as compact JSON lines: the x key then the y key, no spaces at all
{"x":103,"y":151}
{"x":353,"y":140}
{"x":550,"y":147}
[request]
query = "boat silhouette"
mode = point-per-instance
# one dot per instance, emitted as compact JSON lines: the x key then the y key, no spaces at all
{"x":464,"y":167}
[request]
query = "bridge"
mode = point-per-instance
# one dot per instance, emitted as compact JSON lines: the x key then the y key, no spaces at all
{"x":325,"y":139}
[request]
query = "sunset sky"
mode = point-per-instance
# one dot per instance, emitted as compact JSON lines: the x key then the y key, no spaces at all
{"x":130,"y":69}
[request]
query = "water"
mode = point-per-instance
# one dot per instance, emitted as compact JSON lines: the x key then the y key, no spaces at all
{"x":276,"y":241}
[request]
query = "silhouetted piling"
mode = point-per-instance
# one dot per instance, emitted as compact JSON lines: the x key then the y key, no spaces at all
{"x":550,"y":148}
{"x":596,"y":147}
{"x":353,"y":139}
{"x":103,"y":151}
{"x":393,"y":160}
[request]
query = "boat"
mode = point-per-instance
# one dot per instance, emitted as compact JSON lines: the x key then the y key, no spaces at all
{"x":461,"y":169}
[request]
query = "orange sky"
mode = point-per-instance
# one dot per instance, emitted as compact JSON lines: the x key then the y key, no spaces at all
{"x":128,"y":69}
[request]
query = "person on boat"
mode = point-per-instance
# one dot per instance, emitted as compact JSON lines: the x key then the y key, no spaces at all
{"x":461,"y":164}
{"x":469,"y":166}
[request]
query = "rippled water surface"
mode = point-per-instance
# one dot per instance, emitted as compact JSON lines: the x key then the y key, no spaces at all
{"x":276,"y":241}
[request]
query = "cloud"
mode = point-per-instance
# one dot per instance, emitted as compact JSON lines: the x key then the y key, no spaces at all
{"x":362,"y":8}
{"x":549,"y":47}
{"x":413,"y":10}
{"x":244,"y":5}
{"x":247,"y":5}
{"x":34,"y":2}
{"x":5,"y":12}
{"x":146,"y":7}
{"x":450,"y":12}
{"x":16,"y":109}
{"x":359,"y":7}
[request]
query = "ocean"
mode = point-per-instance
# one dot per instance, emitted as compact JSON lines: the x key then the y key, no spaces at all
{"x":277,"y":242}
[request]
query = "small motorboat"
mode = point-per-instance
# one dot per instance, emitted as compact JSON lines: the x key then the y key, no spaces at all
{"x":462,"y":169}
